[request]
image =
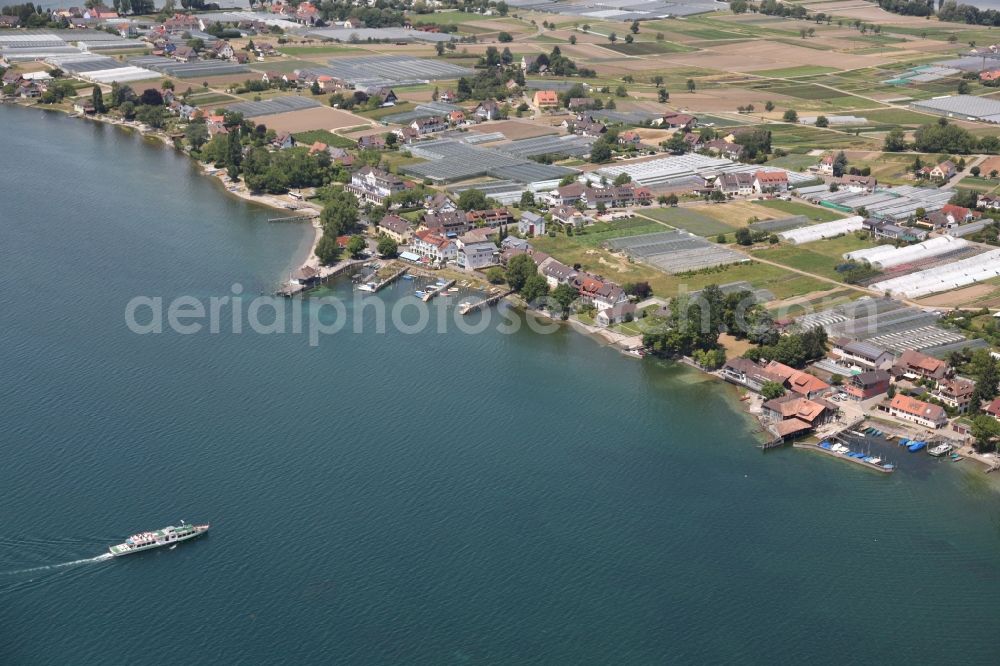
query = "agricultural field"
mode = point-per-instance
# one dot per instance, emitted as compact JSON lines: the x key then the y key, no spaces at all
{"x":647,"y":48}
{"x":788,"y":208}
{"x":687,"y":219}
{"x":819,"y":257}
{"x":572,"y":250}
{"x":329,"y":138}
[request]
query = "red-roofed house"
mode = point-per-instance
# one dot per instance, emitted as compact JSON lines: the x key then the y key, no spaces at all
{"x":546,"y":99}
{"x":914,"y":363}
{"x":917,"y":411}
{"x":770,"y":181}
{"x":799,"y":382}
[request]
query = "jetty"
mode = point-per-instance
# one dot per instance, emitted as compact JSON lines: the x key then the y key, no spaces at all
{"x":885,"y":469}
{"x":485,"y":303}
{"x":374,"y":287}
{"x":431,"y":293}
{"x":308,"y":277}
{"x":293,"y":218}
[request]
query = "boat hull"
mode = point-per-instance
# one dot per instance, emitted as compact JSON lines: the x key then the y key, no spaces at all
{"x":121,"y":549}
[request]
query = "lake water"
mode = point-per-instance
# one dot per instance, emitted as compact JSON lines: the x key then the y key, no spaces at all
{"x":426,"y":498}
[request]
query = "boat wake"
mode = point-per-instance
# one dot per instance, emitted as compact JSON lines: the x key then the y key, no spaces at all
{"x":62,"y":565}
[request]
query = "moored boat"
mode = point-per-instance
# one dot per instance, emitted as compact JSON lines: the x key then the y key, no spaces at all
{"x":916,"y":446}
{"x":162,"y":537}
{"x":940,"y":450}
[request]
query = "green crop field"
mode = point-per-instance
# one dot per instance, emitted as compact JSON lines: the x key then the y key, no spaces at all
{"x":647,"y":48}
{"x":325,"y":49}
{"x":793,"y":162}
{"x":687,"y":219}
{"x":798,"y":208}
{"x":899,"y":117}
{"x":802,"y":70}
{"x":809,"y":92}
{"x":329,"y":138}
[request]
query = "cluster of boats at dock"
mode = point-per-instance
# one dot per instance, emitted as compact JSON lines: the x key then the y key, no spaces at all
{"x":857,"y":456}
{"x":913,"y":445}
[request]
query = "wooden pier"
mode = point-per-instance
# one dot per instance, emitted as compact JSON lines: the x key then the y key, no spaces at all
{"x":437,"y":290}
{"x":485,"y":303}
{"x":294,"y":218}
{"x":327,"y":274}
{"x":379,"y":286}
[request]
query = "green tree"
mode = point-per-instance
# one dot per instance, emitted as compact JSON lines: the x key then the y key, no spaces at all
{"x":356,"y":245}
{"x":387,"y":247}
{"x":975,"y":171}
{"x":612,"y":38}
{"x":662,"y":95}
{"x":895,"y":141}
{"x":472,"y":199}
{"x":769,"y":105}
{"x":495,"y":275}
{"x":535,"y":288}
{"x":600,"y":152}
{"x":505,"y":37}
{"x":152,"y":116}
{"x":744,"y":236}
{"x":986,"y":371}
{"x":771,"y":390}
{"x":327,"y":249}
{"x":564,"y":295}
{"x":822,"y":121}
{"x":97,"y":99}
{"x":986,"y":432}
{"x":690,"y":85}
{"x":527,"y":199}
{"x":790,"y":116}
{"x":340,"y":213}
{"x":519,"y":269}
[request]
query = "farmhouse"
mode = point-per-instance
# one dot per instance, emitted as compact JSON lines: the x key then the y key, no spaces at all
{"x":546,"y":99}
{"x":770,"y":181}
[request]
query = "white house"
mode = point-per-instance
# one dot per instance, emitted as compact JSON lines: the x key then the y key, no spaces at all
{"x":531,"y":223}
{"x":476,"y":254}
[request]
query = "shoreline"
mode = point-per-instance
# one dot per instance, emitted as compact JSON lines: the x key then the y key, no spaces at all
{"x":624,"y":344}
{"x":218,"y":175}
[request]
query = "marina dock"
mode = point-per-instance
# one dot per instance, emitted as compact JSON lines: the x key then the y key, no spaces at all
{"x":841,"y":456}
{"x":438,"y":289}
{"x":469,"y":308}
{"x":322,"y":276}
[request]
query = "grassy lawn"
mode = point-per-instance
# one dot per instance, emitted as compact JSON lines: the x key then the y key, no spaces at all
{"x":793,"y":162}
{"x":978,"y":184}
{"x":199,"y":99}
{"x":573,"y":250}
{"x":687,"y":219}
{"x":803,"y":138}
{"x":329,"y":138}
{"x":802,"y":70}
{"x":798,"y":208}
{"x":599,"y":232}
{"x":820,"y":257}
